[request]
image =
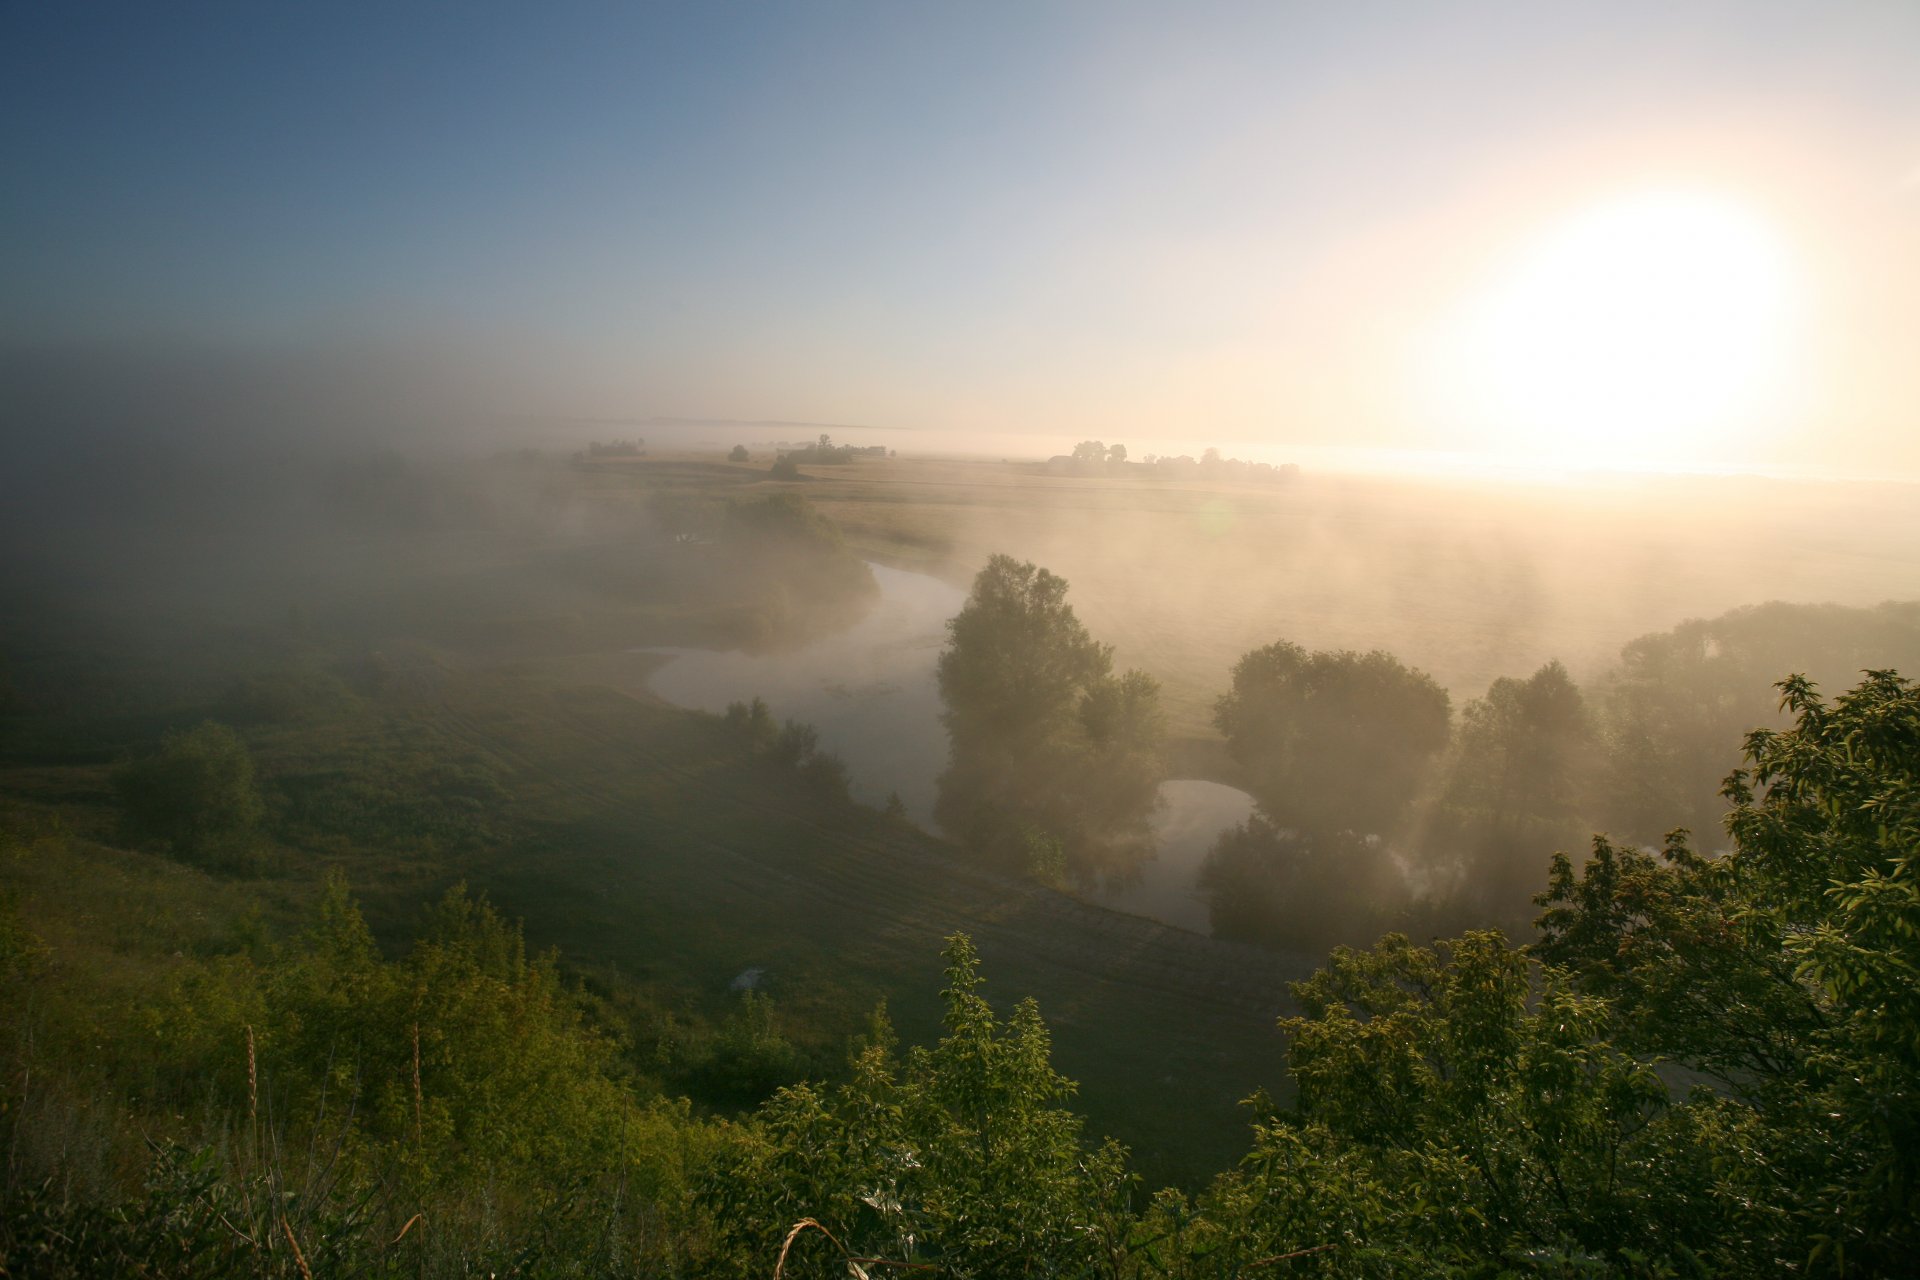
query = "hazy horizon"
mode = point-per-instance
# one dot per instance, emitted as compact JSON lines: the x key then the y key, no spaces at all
{"x":1624,"y":236}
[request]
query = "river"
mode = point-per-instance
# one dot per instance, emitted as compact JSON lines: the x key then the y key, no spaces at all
{"x":871,"y":693}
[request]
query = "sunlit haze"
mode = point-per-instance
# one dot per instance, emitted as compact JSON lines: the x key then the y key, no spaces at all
{"x":1602,"y":234}
{"x":1652,"y":329}
{"x":1161,"y":640}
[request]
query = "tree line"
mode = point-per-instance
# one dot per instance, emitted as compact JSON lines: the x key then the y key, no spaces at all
{"x":1377,"y":806}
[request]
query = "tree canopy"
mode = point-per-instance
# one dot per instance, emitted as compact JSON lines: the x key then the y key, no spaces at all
{"x":1332,"y":740}
{"x":1044,"y":738}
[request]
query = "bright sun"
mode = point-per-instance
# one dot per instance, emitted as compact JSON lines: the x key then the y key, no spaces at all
{"x":1647,"y":331}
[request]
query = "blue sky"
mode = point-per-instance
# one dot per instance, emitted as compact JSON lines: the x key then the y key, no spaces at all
{"x":1221,"y":221}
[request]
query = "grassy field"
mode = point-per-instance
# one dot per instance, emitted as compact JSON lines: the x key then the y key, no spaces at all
{"x":641,"y":842}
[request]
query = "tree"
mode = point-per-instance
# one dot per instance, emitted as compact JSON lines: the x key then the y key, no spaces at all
{"x":1090,"y":451}
{"x":1017,"y":659}
{"x":1043,"y":736}
{"x":1332,"y":740}
{"x":1118,"y":453}
{"x":1675,"y":706}
{"x":1784,"y":970}
{"x":959,"y":1157}
{"x":196,"y":796}
{"x":737,"y":454}
{"x":1459,"y":1113}
{"x":1517,"y":783}
{"x":1299,"y":890}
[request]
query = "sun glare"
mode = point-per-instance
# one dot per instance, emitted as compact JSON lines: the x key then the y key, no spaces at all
{"x":1648,"y":331}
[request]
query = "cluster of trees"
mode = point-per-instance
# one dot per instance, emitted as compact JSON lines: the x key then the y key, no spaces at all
{"x":1211,"y":466}
{"x":1675,"y":701}
{"x":1093,"y":451}
{"x":1334,"y":747}
{"x":1379,"y":808}
{"x":791,"y":746}
{"x":617,"y":449}
{"x":1092,"y":454}
{"x":1054,"y":757}
{"x":1702,"y":1066}
{"x":823,"y":451}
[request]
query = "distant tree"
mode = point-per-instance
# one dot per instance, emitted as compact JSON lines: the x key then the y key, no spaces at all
{"x":1673,"y":707}
{"x":1090,"y":451}
{"x":1523,"y":746}
{"x":1118,"y":453}
{"x":737,"y":454}
{"x":1518,"y":782}
{"x":1043,"y":736}
{"x":196,"y":796}
{"x":1332,"y":740}
{"x":1017,"y":659}
{"x":753,"y":722}
{"x":1300,"y":890}
{"x":785,"y":468}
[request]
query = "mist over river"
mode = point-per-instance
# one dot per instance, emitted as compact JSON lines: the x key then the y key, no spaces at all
{"x":871,"y":692}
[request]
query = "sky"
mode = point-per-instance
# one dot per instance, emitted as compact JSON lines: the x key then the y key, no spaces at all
{"x":1289,"y":224}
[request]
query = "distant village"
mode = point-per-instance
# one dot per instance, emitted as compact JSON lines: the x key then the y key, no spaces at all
{"x":1094,"y":458}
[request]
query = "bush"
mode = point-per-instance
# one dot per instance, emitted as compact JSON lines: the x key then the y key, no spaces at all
{"x":196,"y":796}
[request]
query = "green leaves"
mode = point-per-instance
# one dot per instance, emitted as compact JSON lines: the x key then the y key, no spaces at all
{"x":1044,"y":736}
{"x":196,"y":796}
{"x":1788,"y":971}
{"x":1333,"y":740}
{"x":960,"y":1156}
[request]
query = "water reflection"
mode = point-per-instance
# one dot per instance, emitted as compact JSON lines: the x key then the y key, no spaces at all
{"x":871,"y":693}
{"x":1192,"y":815}
{"x":869,"y":690}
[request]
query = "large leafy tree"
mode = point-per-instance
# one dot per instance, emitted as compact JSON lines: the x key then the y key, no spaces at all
{"x":1047,"y":743}
{"x":1517,"y":783}
{"x":958,"y":1159}
{"x":1332,"y":740}
{"x":1458,"y":1113}
{"x":1788,"y":970}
